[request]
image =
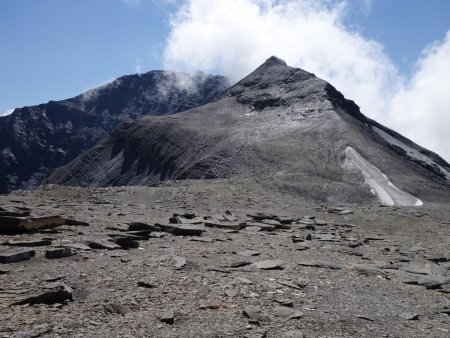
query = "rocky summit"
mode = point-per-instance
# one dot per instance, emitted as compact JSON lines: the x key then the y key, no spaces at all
{"x":281,"y":125}
{"x":276,"y":209}
{"x":34,"y":140}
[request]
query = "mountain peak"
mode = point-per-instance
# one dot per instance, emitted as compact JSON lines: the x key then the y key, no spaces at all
{"x":275,"y":61}
{"x":276,"y":82}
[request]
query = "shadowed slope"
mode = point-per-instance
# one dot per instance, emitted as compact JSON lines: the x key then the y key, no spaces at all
{"x":34,"y":140}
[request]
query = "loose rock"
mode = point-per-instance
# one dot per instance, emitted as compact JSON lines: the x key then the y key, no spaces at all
{"x":17,"y":256}
{"x":104,"y":245}
{"x":253,"y":312}
{"x":22,"y":224}
{"x":184,"y":229}
{"x":135,"y":226}
{"x":167,"y":317}
{"x":61,"y":295}
{"x":321,"y":264}
{"x":270,"y":264}
{"x":116,"y":308}
{"x":60,"y":253}
{"x":249,"y":253}
{"x":30,"y":243}
{"x":180,"y":262}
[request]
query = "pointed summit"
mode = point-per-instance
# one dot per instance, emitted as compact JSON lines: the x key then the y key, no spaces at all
{"x":274,"y":72}
{"x":274,"y":83}
{"x":273,"y":60}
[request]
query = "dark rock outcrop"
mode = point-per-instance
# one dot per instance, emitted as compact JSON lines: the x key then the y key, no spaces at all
{"x":36,"y":139}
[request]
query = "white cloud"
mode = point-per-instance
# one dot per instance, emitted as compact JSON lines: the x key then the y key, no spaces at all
{"x":92,"y":92}
{"x":7,"y":112}
{"x":187,"y":82}
{"x":234,"y":37}
{"x":137,"y":66}
{"x":421,"y":109}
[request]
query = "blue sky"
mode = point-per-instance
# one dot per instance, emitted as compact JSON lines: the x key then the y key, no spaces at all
{"x":54,"y":49}
{"x":391,"y":56}
{"x":404,"y":27}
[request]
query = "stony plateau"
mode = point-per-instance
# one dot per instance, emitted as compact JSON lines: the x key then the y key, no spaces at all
{"x":324,"y":271}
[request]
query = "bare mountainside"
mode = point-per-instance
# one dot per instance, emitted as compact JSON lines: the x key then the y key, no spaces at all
{"x":280,"y":125}
{"x":34,"y":140}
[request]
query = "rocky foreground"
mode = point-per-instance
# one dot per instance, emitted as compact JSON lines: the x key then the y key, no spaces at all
{"x":219,"y":258}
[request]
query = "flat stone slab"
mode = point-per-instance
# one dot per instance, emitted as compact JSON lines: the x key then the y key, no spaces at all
{"x":287,"y":312}
{"x":184,"y":229}
{"x":326,"y":237}
{"x":249,"y":253}
{"x":408,"y":316}
{"x":252,"y":228}
{"x":367,"y":269}
{"x":260,"y":216}
{"x":223,"y":225}
{"x":180,"y":219}
{"x":136,"y":226}
{"x":78,"y":246}
{"x":116,"y":308}
{"x":202,"y":239}
{"x":60,"y":295}
{"x":29,"y":243}
{"x":261,"y":226}
{"x":17,"y":256}
{"x":269,"y":264}
{"x":253,"y":312}
{"x":74,"y":222}
{"x":322,"y":264}
{"x":127,"y":242}
{"x":60,"y":253}
{"x":27,"y":224}
{"x":103,"y":245}
{"x":14,"y":213}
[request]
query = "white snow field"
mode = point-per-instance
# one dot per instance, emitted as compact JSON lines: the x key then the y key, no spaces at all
{"x":387,"y":193}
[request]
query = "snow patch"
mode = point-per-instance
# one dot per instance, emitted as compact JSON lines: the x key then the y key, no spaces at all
{"x":7,"y":112}
{"x":379,"y":184}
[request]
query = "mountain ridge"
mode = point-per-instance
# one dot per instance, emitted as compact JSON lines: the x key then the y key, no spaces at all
{"x":278,"y":124}
{"x":36,"y":139}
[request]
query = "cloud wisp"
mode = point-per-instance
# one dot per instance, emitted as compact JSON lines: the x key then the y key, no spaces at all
{"x":94,"y":91}
{"x":7,"y":112}
{"x":234,"y":37}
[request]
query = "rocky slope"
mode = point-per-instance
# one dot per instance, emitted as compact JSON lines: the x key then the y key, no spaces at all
{"x":34,"y":140}
{"x":219,"y":258}
{"x":280,"y":125}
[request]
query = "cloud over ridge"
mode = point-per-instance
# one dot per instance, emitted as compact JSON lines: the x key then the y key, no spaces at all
{"x":234,"y":37}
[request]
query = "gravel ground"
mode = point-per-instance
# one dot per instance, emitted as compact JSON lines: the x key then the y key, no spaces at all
{"x":267,"y":264}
